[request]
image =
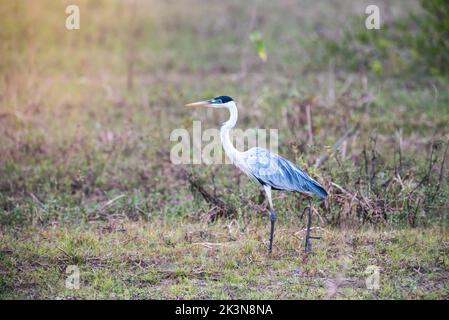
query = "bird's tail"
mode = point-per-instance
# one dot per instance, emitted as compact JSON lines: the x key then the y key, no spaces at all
{"x":319,"y":190}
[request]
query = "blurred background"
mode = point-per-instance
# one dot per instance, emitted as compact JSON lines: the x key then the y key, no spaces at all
{"x":86,"y":115}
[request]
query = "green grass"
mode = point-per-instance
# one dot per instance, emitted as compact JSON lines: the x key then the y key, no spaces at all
{"x":86,"y":179}
{"x":127,"y":260}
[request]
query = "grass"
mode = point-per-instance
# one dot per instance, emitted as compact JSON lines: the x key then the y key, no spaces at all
{"x":86,"y":179}
{"x":131,"y":260}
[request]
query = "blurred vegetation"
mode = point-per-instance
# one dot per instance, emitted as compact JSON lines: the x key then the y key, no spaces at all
{"x":433,"y":39}
{"x":86,"y":116}
{"x":256,"y":39}
{"x":415,"y":43}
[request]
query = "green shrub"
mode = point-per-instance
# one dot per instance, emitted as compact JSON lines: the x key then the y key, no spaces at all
{"x":433,"y":37}
{"x":417,"y":43}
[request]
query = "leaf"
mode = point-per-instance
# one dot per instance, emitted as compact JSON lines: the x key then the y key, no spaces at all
{"x":376,"y":67}
{"x":256,"y":38}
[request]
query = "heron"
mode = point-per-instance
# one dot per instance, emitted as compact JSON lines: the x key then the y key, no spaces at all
{"x":272,"y":171}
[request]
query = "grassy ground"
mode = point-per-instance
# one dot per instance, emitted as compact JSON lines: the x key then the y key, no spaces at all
{"x":86,"y":179}
{"x":199,"y":261}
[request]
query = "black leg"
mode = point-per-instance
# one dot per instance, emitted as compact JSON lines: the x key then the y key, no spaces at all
{"x":308,"y":246}
{"x":272,"y":220}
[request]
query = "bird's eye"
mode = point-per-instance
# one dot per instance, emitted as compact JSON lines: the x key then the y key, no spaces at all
{"x":215,"y":101}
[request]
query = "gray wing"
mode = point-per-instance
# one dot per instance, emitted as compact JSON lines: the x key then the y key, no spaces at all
{"x":279,"y":173}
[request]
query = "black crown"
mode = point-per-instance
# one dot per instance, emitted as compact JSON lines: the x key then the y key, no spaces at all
{"x":223,"y":99}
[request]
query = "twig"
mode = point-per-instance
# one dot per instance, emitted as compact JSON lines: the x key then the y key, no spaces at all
{"x":318,"y":214}
{"x":440,"y":178}
{"x":36,"y":199}
{"x":63,"y":251}
{"x":373,"y":162}
{"x":309,"y":124}
{"x":429,"y":170}
{"x":367,"y":175}
{"x":349,"y":133}
{"x":110,"y":202}
{"x":399,"y":135}
{"x":361,"y":201}
{"x":215,"y":201}
{"x":214,"y":243}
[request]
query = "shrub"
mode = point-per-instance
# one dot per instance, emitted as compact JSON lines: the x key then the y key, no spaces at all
{"x":433,"y":38}
{"x":418,"y":43}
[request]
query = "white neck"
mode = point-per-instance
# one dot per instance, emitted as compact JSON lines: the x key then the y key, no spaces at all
{"x":229,"y":149}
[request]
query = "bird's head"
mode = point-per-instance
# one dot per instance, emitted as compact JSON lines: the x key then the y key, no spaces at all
{"x":217,"y":102}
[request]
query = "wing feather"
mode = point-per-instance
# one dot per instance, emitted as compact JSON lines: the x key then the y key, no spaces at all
{"x":279,"y":173}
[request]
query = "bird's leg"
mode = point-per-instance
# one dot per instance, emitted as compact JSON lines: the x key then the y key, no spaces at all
{"x":272,"y":216}
{"x":308,"y":246}
{"x":272,"y":220}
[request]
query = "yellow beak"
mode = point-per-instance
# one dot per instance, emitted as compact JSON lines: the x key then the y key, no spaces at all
{"x":199,"y":104}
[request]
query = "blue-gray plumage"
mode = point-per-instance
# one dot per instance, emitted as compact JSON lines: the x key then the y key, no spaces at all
{"x":279,"y":173}
{"x":270,"y":170}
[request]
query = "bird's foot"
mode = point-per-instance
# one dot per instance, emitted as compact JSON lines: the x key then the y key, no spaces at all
{"x":308,"y":246}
